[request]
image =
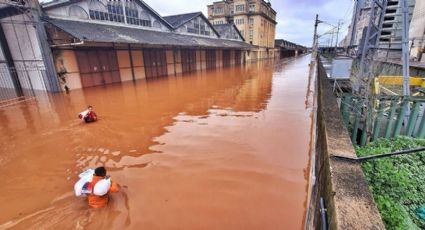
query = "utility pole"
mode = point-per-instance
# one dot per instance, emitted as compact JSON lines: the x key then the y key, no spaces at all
{"x":315,"y":38}
{"x":337,"y":35}
{"x":405,"y":48}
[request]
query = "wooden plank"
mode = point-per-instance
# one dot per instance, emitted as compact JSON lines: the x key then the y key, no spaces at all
{"x":400,"y":118}
{"x":412,"y":120}
{"x":390,"y":120}
{"x":378,"y":121}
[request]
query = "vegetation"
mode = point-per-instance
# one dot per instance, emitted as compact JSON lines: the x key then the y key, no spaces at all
{"x":397,"y":183}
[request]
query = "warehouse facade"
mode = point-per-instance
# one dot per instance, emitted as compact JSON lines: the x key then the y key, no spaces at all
{"x":98,"y":42}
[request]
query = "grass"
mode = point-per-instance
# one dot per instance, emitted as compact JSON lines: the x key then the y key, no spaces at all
{"x":397,"y":183}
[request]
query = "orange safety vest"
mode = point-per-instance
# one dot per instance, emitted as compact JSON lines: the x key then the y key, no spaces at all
{"x":100,"y":201}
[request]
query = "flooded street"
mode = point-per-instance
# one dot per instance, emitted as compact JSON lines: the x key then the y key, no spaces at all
{"x":217,"y":149}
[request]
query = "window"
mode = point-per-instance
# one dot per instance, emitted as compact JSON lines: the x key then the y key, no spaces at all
{"x":251,"y":7}
{"x":78,"y":12}
{"x":239,"y":8}
{"x":239,"y":21}
{"x":219,"y":10}
{"x":115,"y":12}
{"x":97,"y":11}
{"x":251,"y":21}
{"x":251,"y":34}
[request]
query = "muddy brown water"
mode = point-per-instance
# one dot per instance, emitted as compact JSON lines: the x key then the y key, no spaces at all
{"x":218,"y":149}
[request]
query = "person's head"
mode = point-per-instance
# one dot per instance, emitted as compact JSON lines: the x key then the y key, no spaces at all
{"x":90,"y":108}
{"x":100,"y":171}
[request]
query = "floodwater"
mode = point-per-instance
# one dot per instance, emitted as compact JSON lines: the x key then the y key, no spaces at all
{"x":217,"y":149}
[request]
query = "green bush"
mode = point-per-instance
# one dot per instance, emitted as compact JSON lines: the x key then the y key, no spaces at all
{"x":397,"y":183}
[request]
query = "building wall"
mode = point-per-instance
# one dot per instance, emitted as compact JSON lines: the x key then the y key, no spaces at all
{"x":391,"y":35}
{"x":260,"y":32}
{"x":66,"y":60}
{"x":81,"y":11}
{"x":417,"y":32}
{"x":26,"y":53}
{"x":189,"y":28}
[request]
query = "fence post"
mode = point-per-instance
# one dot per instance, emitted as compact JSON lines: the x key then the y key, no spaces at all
{"x":390,"y":119}
{"x":378,"y":121}
{"x":345,"y":106}
{"x":365,"y":134}
{"x":413,"y":118}
{"x":400,"y":117}
{"x":356,"y":121}
{"x":421,"y":131}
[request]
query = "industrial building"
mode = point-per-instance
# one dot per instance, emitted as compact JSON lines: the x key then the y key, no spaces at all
{"x":255,"y":19}
{"x":390,"y":38}
{"x":84,"y":43}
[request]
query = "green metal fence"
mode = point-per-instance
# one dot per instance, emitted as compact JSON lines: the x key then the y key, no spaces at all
{"x":390,"y":117}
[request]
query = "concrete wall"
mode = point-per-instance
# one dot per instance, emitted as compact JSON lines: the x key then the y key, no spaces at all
{"x":341,"y":183}
{"x":66,"y":60}
{"x":23,"y":43}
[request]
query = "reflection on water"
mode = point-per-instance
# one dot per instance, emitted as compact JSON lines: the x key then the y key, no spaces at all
{"x":221,"y":149}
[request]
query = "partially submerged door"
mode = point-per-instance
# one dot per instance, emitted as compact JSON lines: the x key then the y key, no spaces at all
{"x":97,"y":67}
{"x":226,"y":58}
{"x":238,"y":57}
{"x":188,"y":59}
{"x":155,"y":62}
{"x":210,"y":56}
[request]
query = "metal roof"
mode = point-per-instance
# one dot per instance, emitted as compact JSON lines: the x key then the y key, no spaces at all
{"x":178,"y":20}
{"x":96,"y":32}
{"x":222,"y":29}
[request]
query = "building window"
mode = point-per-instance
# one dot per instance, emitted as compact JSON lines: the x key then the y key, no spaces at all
{"x":98,"y":11}
{"x":77,"y":12}
{"x":134,"y":17}
{"x":251,"y":34}
{"x":239,"y":21}
{"x":239,"y":8}
{"x":219,"y":10}
{"x":116,"y":12}
{"x":251,"y":21}
{"x":251,"y":7}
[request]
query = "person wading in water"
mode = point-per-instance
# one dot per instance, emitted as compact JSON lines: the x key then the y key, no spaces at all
{"x":97,"y":201}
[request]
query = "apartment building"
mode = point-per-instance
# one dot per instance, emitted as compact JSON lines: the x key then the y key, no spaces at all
{"x":255,"y":19}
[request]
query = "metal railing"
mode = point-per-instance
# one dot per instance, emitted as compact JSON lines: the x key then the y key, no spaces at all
{"x":389,"y":119}
{"x":19,"y":84}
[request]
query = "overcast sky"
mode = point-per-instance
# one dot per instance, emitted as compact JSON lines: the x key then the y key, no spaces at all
{"x":295,"y":18}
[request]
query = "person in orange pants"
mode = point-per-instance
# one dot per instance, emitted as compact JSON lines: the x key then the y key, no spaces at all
{"x":96,"y":201}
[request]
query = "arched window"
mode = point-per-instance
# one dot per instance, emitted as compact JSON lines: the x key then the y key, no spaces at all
{"x":77,"y":12}
{"x":156,"y":24}
{"x":115,"y":11}
{"x":98,"y":10}
{"x":145,"y":20}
